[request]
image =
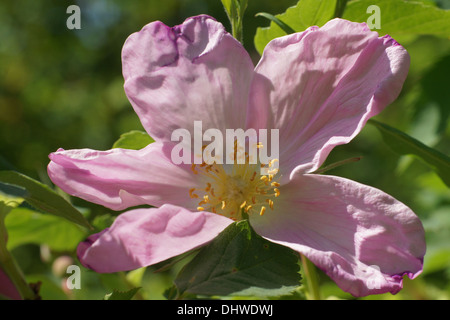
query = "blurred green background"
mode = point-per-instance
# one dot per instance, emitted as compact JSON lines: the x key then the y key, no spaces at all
{"x":64,"y":88}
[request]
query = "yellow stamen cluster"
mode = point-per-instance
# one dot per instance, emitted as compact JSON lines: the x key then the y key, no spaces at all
{"x":236,"y":190}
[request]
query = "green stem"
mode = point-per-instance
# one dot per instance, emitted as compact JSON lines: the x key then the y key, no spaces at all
{"x":312,"y":280}
{"x":236,"y":30}
{"x":236,"y":26}
{"x":235,"y":10}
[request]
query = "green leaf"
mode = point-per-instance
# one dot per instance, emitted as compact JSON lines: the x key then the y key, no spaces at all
{"x":135,"y":277}
{"x":27,"y":226}
{"x":227,"y":5}
{"x":9,"y":202}
{"x":403,"y":144}
{"x":401,"y":17}
{"x":134,"y":140}
{"x":305,"y":14}
{"x":43,"y":198}
{"x":121,"y":295}
{"x":281,"y":24}
{"x":240,"y":263}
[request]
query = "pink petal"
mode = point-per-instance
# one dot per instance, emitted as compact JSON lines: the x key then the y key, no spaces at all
{"x":143,"y":237}
{"x":7,"y":288}
{"x":319,"y":88}
{"x":119,"y":178}
{"x":194,"y":71}
{"x":364,"y":239}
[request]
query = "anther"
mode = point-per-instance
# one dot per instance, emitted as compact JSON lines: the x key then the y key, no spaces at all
{"x":263,"y":209}
{"x":192,"y":194}
{"x":272,"y":162}
{"x":277,"y":192}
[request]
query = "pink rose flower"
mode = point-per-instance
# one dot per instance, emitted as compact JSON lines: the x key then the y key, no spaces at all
{"x":318,"y":87}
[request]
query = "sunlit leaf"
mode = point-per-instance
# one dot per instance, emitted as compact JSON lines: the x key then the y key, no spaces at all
{"x":135,"y":276}
{"x":299,"y":17}
{"x":134,"y":140}
{"x":399,"y":17}
{"x":27,"y":226}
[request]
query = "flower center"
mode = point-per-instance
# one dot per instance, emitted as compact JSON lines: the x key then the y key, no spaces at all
{"x":236,"y":190}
